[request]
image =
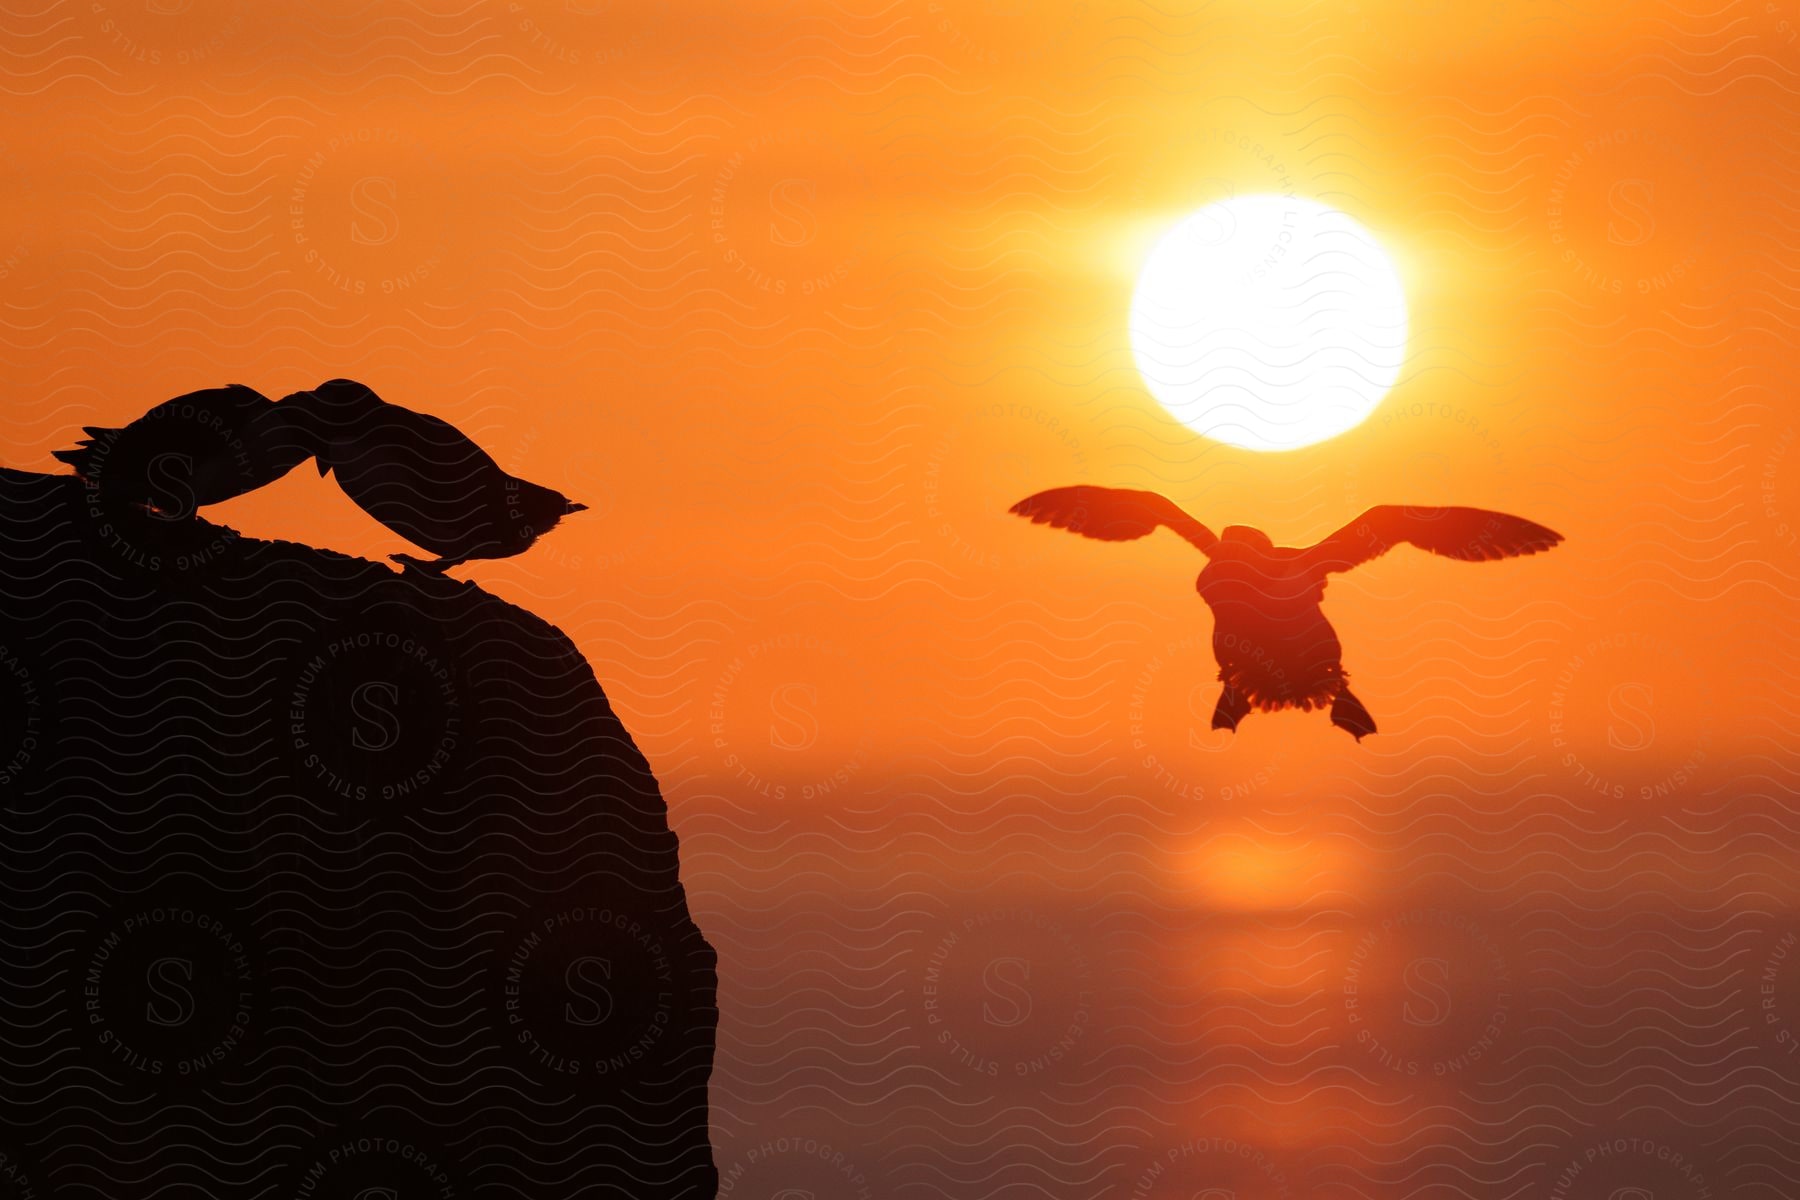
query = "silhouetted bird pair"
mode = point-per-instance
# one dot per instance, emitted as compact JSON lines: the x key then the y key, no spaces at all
{"x":419,"y":476}
{"x":1274,"y":647}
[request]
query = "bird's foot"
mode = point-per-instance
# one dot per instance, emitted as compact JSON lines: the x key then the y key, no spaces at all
{"x":426,"y":566}
{"x":1348,"y":714}
{"x":1231,"y":709}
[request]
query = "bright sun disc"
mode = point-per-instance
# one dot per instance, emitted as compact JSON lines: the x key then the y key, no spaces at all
{"x":1268,"y":322}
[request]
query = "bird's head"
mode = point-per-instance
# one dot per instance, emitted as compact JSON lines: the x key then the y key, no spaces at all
{"x":1245,"y":535}
{"x":331,"y":410}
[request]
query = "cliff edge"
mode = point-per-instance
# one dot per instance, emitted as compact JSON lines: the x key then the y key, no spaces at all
{"x":323,"y":881}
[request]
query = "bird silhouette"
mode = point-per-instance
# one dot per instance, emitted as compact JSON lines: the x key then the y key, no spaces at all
{"x":1274,"y":647}
{"x":202,"y":448}
{"x":424,"y":479}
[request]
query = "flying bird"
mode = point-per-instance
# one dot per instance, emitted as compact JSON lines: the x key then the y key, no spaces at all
{"x":1274,"y":647}
{"x":202,"y":448}
{"x":424,"y":479}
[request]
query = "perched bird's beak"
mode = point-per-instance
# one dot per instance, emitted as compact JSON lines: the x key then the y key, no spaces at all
{"x":575,"y":507}
{"x":299,"y":411}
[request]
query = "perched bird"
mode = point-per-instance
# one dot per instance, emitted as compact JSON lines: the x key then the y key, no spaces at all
{"x":1274,"y":647}
{"x":194,"y":450}
{"x":423,"y":479}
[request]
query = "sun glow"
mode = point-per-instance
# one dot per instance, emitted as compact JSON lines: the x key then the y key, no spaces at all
{"x":1268,"y":322}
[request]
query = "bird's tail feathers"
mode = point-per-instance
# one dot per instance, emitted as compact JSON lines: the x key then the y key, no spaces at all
{"x":86,"y":455}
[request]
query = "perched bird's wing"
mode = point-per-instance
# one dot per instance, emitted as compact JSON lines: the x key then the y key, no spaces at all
{"x":1471,"y":534}
{"x":1112,"y":514}
{"x":204,"y":437}
{"x":429,"y":482}
{"x":450,"y":446}
{"x":246,"y":400}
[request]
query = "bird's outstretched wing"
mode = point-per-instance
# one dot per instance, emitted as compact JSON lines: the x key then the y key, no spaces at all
{"x":1471,"y":534}
{"x":1112,"y":514}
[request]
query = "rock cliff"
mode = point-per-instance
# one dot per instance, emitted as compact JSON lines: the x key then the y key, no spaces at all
{"x":323,"y":881}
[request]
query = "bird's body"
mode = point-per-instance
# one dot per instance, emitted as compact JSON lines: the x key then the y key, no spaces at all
{"x":1274,"y":646}
{"x":1270,"y":636}
{"x":201,"y":448}
{"x":426,"y":480}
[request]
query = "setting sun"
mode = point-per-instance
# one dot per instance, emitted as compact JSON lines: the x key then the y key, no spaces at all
{"x":1269,"y":322}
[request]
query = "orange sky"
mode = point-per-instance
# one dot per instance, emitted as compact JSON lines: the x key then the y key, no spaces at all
{"x":799,"y":298}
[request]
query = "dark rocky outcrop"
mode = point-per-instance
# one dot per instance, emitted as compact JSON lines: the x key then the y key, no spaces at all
{"x":323,"y":881}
